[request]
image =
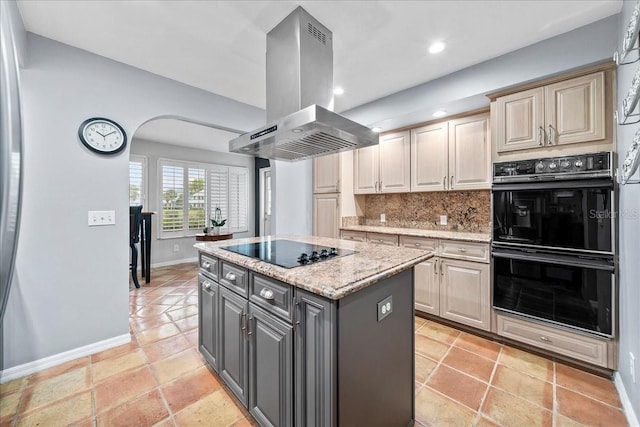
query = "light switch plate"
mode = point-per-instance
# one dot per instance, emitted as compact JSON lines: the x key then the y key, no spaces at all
{"x":385,"y":307}
{"x":102,"y":218}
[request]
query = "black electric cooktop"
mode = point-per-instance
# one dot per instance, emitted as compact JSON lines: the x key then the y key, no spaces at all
{"x":287,"y":253}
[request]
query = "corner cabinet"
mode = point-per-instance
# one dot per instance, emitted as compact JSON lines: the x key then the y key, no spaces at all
{"x":383,"y":168}
{"x":452,"y":155}
{"x":566,"y":112}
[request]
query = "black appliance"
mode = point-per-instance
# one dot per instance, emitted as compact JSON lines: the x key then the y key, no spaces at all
{"x":554,"y":239}
{"x":287,"y":253}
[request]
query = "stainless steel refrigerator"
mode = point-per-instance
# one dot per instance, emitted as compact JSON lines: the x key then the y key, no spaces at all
{"x":10,"y":158}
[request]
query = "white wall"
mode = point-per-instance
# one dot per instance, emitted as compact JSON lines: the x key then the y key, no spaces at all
{"x":162,"y":249}
{"x":629,"y":257}
{"x":71,"y":282}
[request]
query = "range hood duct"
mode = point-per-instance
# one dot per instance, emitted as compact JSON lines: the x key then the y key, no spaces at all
{"x":300,"y":120}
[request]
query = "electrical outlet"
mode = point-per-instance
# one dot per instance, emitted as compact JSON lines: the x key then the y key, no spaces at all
{"x":443,"y":220}
{"x":102,"y":218}
{"x":176,"y":248}
{"x":385,"y":307}
{"x":383,"y":218}
{"x":632,"y":367}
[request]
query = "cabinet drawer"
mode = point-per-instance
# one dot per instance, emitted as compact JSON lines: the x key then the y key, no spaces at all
{"x":419,"y":243}
{"x":561,"y":341}
{"x":275,"y":297}
{"x":209,"y":266}
{"x":464,"y":250}
{"x":383,"y":239}
{"x":356,"y":236}
{"x":234,"y":278}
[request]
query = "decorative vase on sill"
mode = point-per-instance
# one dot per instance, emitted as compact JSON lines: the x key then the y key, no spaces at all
{"x":217,"y":222}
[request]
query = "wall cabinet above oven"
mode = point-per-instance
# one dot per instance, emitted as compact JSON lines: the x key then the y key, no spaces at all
{"x":566,"y":112}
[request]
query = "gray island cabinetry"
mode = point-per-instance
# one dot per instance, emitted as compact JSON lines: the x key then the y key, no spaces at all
{"x":325,"y":344}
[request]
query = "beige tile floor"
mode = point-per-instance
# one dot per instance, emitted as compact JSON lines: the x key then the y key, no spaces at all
{"x":160,"y":379}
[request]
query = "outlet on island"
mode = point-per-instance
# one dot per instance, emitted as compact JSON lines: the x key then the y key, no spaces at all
{"x":176,"y":248}
{"x":443,"y":220}
{"x":383,"y":218}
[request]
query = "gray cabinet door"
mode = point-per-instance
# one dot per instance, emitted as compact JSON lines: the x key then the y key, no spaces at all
{"x":208,"y":320}
{"x":270,"y":369}
{"x":233,"y":350}
{"x":315,"y":359}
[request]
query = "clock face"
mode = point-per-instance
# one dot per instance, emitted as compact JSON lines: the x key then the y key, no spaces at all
{"x":102,"y":136}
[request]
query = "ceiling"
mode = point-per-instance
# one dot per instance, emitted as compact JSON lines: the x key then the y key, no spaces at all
{"x":380,"y":47}
{"x":179,"y":132}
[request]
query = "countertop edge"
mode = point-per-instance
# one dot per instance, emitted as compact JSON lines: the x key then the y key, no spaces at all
{"x":414,"y":232}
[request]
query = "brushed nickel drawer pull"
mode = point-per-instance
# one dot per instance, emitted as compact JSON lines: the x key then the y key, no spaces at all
{"x":451,"y":183}
{"x":540,"y":135}
{"x":436,"y":267}
{"x":463,"y":250}
{"x":543,"y":338}
{"x":206,"y":285}
{"x":418,"y":244}
{"x":206,"y":264}
{"x":551,"y":134}
{"x":249,"y":326}
{"x":267,"y":294}
{"x":444,"y":182}
{"x":230,"y":277}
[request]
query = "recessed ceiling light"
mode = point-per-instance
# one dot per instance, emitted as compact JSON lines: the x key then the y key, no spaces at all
{"x":338,"y":90}
{"x":436,"y":47}
{"x":376,"y":129}
{"x":439,"y":113}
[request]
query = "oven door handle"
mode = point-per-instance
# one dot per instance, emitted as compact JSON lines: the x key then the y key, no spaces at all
{"x":573,"y":261}
{"x":559,"y":184}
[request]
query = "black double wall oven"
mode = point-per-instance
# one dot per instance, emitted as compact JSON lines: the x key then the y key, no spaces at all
{"x":554,"y":239}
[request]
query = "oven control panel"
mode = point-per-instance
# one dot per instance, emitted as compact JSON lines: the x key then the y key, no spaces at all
{"x":567,"y":167}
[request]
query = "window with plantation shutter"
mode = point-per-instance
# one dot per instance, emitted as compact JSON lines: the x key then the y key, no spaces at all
{"x":191,"y":192}
{"x":137,"y":180}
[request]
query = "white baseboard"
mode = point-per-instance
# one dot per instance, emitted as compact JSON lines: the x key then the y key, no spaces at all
{"x":60,"y":358}
{"x":632,"y":418}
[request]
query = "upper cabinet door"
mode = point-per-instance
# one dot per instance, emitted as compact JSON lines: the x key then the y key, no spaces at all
{"x":365,"y":170}
{"x":326,"y":215}
{"x":326,"y":174}
{"x":469,"y":153}
{"x":430,"y":157}
{"x":520,"y":120}
{"x":575,"y":110}
{"x":395,"y":152}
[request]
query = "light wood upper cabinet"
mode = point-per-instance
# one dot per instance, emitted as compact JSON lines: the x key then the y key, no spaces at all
{"x":366,"y":170}
{"x":520,"y":120}
{"x":383,"y":168}
{"x":469,"y":153}
{"x":453,"y":155}
{"x":574,"y":110}
{"x":326,"y":174}
{"x":395,"y":149}
{"x":566,"y":112}
{"x":326,"y":215}
{"x":430,"y":157}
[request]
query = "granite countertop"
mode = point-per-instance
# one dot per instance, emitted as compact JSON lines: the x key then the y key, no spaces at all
{"x":334,"y":278}
{"x":434,"y":234}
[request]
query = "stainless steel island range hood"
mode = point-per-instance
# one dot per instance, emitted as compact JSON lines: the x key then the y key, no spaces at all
{"x":300,"y":123}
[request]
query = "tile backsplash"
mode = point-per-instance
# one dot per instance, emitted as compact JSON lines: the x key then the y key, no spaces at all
{"x":468,"y":211}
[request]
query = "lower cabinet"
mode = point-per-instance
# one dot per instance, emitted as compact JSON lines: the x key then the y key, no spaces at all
{"x":464,"y":293}
{"x":258,"y":353}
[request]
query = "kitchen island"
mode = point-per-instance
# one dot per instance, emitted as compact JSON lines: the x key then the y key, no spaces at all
{"x":327,"y":342}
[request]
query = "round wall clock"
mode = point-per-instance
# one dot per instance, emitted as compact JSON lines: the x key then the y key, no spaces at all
{"x":102,"y":136}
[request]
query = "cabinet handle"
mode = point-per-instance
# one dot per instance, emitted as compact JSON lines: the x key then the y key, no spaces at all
{"x":451,"y":183}
{"x":296,"y":315}
{"x":249,"y":326}
{"x":462,"y":250}
{"x":380,"y":186}
{"x":436,"y":267}
{"x":543,"y":338}
{"x":206,"y":264}
{"x":551,"y":135}
{"x":243,"y":321}
{"x":418,"y":244}
{"x":441,"y":273}
{"x":266,"y":294}
{"x":376,"y":186}
{"x":206,"y":285}
{"x":540,"y":135}
{"x":444,"y":182}
{"x":230,"y":277}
